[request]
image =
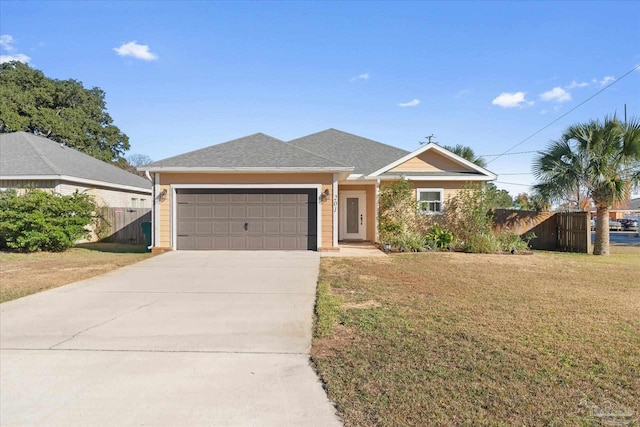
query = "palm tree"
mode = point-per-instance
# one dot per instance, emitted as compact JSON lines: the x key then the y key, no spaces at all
{"x":466,"y":153}
{"x":601,"y":160}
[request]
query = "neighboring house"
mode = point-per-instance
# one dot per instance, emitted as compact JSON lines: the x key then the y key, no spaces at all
{"x":259,"y":192}
{"x":31,"y":161}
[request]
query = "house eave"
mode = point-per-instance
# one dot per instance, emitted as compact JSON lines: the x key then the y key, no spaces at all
{"x":182,"y":169}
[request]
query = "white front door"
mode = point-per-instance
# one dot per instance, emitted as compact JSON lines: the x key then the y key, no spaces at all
{"x":353,"y":215}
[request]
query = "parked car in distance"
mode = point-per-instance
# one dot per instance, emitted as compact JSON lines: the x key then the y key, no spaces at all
{"x":615,"y":225}
{"x":629,"y":224}
{"x":593,"y":223}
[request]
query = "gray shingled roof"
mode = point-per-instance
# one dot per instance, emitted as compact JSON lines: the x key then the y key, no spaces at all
{"x":254,"y":151}
{"x":25,"y":154}
{"x":366,"y":155}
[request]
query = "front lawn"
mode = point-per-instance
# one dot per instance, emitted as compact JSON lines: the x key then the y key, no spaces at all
{"x":26,"y":274}
{"x":464,"y":339}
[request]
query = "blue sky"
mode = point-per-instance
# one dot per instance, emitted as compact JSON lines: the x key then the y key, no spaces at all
{"x":184,"y":75}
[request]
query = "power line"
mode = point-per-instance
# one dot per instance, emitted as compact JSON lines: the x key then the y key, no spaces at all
{"x":513,"y":183}
{"x":516,"y":173}
{"x":508,"y":154}
{"x":568,"y":112}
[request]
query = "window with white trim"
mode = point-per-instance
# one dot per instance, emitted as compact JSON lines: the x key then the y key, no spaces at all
{"x":430,"y":200}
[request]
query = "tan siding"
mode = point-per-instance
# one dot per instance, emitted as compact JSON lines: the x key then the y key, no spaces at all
{"x":166,"y":179}
{"x":370,"y":189}
{"x":430,"y":161}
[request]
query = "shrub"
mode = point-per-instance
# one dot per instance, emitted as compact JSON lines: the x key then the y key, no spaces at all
{"x":484,"y":243}
{"x":441,"y":238}
{"x":42,"y":221}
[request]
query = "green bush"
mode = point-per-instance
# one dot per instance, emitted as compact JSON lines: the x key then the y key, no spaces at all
{"x":484,"y":243}
{"x":441,"y":238}
{"x":42,"y":221}
{"x":510,"y":241}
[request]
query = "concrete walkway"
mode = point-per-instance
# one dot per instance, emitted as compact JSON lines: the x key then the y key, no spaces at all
{"x":184,"y":338}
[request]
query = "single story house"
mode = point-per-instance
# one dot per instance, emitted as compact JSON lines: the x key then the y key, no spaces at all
{"x":32,"y":161}
{"x":259,"y":192}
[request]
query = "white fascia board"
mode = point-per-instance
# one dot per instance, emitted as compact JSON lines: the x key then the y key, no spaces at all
{"x":77,"y":180}
{"x":433,"y":178}
{"x":443,"y":151}
{"x":247,"y":170}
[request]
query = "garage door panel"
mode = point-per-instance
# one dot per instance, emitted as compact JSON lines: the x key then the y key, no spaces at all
{"x":221,"y":212}
{"x":220,"y":198}
{"x":271,"y":212}
{"x":204,"y":198}
{"x":238,"y":211}
{"x":221,"y":227}
{"x":203,"y":212}
{"x":288,"y":212}
{"x":237,"y":198}
{"x":220,"y":219}
{"x":204,"y":227}
{"x":256,"y":227}
{"x":186,"y":211}
{"x":255,"y":211}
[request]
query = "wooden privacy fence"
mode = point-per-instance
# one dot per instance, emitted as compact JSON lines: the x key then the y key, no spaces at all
{"x":123,"y":225}
{"x":555,"y":231}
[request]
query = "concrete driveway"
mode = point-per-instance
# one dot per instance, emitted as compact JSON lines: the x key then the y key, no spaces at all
{"x":184,"y":338}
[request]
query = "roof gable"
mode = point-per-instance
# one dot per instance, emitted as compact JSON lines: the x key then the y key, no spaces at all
{"x":24,"y":154}
{"x":365,"y":155}
{"x":257,"y":151}
{"x":433,"y":158}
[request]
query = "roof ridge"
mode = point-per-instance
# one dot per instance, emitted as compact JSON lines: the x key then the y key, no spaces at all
{"x":354,"y":135}
{"x":314,"y":154}
{"x":40,"y":153}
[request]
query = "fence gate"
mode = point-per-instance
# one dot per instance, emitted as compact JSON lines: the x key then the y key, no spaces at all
{"x":124,"y":225}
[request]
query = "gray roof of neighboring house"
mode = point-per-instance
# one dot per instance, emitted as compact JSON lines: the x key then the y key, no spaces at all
{"x":29,"y":155}
{"x":366,"y":155}
{"x":255,"y":152}
{"x":634,"y":204}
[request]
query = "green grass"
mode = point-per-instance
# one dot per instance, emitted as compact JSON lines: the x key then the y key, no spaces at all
{"x":26,"y":274}
{"x":327,"y":310}
{"x":466,"y":339}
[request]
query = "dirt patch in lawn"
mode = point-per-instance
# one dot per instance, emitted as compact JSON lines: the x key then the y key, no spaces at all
{"x":26,"y":274}
{"x":463,"y":339}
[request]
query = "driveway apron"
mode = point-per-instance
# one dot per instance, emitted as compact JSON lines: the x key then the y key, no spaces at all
{"x":182,"y":339}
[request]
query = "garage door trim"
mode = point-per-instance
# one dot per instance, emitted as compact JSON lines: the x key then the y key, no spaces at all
{"x":174,"y":205}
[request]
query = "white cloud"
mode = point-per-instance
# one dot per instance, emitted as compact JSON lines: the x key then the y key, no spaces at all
{"x":574,"y":84}
{"x":139,"y":51}
{"x":6,"y":42}
{"x":411,"y":103}
{"x":557,"y":94}
{"x":363,"y":76}
{"x":605,"y":81}
{"x":511,"y":100}
{"x":17,"y":57}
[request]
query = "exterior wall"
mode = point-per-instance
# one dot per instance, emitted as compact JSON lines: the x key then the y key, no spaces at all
{"x":103,"y":196}
{"x":167,"y":179}
{"x":106,"y":196}
{"x":21,"y":186}
{"x":429,"y":161}
{"x":371,"y":206}
{"x":450,"y":188}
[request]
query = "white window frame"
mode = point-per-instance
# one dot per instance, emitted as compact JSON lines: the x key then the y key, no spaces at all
{"x":430,"y":190}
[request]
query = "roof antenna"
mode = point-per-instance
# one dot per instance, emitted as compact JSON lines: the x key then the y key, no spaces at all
{"x":429,"y":139}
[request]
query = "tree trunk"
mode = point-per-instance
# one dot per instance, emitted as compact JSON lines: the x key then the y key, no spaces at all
{"x":601,"y":245}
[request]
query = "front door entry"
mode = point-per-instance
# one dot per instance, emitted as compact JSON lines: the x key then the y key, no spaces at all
{"x":353,"y":215}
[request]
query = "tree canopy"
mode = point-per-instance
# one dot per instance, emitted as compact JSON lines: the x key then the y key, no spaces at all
{"x":62,"y":110}
{"x":466,"y":153}
{"x":599,"y":159}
